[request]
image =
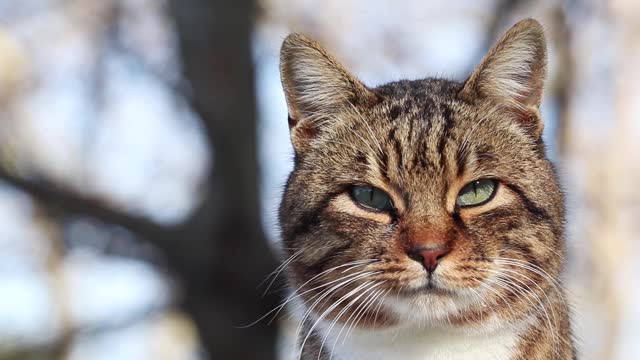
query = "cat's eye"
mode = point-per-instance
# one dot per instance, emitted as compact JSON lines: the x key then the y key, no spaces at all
{"x":477,"y":192}
{"x":371,"y":197}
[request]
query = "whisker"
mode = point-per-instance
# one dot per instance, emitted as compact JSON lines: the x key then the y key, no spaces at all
{"x":328,"y":311}
{"x":345,"y":309}
{"x":349,"y":276}
{"x":379,"y":294}
{"x":531,"y":267}
{"x":295,"y":293}
{"x":342,"y":329}
{"x":357,"y":319}
{"x":538,"y":286}
{"x":488,"y":287}
{"x":278,"y":271}
{"x":555,"y":285}
{"x":379,"y":306}
{"x":327,"y":293}
{"x":530,"y":292}
{"x":358,"y":264}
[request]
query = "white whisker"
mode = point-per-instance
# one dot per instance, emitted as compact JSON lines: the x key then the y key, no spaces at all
{"x":326,"y":312}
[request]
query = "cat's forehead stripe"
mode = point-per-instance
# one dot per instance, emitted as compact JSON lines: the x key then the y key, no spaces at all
{"x":420,"y":125}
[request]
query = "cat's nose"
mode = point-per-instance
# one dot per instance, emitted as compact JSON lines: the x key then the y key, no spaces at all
{"x":429,"y":256}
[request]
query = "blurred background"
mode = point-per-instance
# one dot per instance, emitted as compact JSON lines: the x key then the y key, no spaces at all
{"x":144,"y":145}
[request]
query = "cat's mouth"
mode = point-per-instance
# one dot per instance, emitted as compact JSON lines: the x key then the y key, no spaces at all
{"x":430,"y":287}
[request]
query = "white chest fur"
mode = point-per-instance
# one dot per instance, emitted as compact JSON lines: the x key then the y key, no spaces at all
{"x":424,"y":344}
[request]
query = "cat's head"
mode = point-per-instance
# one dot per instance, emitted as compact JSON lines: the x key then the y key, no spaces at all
{"x":430,"y":199}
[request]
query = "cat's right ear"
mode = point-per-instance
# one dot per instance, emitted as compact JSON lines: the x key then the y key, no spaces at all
{"x":512,"y":74}
{"x":317,"y":88}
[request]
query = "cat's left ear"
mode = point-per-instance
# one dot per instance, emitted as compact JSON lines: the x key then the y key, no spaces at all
{"x":512,"y":74}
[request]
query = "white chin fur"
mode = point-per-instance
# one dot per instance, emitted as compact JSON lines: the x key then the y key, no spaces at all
{"x":430,"y":308}
{"x":425,"y":334}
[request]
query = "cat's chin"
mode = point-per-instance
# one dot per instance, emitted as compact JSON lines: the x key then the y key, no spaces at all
{"x":429,"y":286}
{"x":430,"y":302}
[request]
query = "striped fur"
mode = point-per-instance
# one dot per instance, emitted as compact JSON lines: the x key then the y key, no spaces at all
{"x":361,"y":295}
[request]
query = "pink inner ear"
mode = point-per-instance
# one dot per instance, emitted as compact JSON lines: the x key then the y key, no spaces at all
{"x":306,"y":130}
{"x":302,"y":132}
{"x":529,"y":117}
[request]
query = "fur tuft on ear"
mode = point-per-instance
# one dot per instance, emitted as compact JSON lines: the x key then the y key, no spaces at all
{"x":316,"y":86}
{"x":512,"y":74}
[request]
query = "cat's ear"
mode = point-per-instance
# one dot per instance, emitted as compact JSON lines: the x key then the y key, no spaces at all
{"x":316,"y":87}
{"x":512,"y":74}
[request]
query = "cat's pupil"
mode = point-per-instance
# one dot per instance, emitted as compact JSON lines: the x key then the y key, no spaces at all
{"x":371,"y":197}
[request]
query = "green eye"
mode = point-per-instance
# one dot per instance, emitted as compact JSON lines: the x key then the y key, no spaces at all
{"x":477,"y":192}
{"x":371,"y":197}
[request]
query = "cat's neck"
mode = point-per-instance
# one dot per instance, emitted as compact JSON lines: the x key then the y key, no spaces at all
{"x":427,"y":343}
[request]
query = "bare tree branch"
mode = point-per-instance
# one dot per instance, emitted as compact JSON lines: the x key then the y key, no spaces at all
{"x":74,"y":203}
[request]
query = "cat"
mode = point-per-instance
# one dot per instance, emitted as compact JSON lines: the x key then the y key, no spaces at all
{"x":422,"y":219}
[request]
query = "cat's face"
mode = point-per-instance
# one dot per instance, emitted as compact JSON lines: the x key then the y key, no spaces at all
{"x":423,"y":200}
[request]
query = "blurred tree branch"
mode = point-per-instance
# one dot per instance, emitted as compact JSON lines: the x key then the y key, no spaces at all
{"x":564,"y":79}
{"x":72,"y":202}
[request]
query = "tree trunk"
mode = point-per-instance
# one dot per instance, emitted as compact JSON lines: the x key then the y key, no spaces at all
{"x":224,"y":254}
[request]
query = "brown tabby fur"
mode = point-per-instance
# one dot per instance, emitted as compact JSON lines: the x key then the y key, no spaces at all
{"x":421,"y":141}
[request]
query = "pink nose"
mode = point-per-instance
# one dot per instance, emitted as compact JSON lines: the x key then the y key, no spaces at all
{"x":429,"y":256}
